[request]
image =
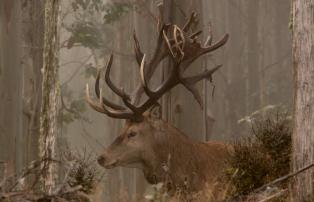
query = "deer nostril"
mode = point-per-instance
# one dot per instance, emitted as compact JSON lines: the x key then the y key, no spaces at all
{"x":101,"y":160}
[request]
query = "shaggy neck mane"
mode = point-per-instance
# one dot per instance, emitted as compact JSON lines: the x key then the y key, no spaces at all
{"x":181,"y":162}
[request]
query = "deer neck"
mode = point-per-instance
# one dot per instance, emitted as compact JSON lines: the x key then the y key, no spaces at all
{"x":174,"y":158}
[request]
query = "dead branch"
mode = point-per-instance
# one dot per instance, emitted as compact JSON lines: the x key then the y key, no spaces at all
{"x":286,"y":177}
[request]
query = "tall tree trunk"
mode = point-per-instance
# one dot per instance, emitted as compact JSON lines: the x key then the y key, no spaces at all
{"x":31,"y":63}
{"x":21,"y":39}
{"x":303,"y":133}
{"x":49,"y":110}
{"x":253,"y":56}
{"x":10,"y":85}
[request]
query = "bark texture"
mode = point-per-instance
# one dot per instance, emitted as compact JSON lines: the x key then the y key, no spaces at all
{"x":303,"y":134}
{"x":50,"y":91}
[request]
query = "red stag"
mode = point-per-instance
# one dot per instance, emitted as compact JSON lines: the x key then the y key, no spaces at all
{"x":146,"y":142}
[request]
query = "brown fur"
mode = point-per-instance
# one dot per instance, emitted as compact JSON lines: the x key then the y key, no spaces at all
{"x":184,"y":163}
{"x":166,"y":155}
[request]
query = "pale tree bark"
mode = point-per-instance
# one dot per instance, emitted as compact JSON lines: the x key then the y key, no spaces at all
{"x":303,"y":133}
{"x":50,"y":91}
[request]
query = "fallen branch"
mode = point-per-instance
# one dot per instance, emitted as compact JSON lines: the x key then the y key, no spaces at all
{"x":283,"y":178}
{"x":276,"y":195}
{"x":238,"y":198}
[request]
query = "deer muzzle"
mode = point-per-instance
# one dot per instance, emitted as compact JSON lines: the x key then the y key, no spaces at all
{"x":106,"y":163}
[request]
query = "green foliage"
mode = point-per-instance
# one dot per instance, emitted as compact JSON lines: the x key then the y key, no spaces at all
{"x":91,"y":27}
{"x":115,"y":11}
{"x":96,"y":5}
{"x":86,"y":34}
{"x":92,"y":20}
{"x":262,"y":157}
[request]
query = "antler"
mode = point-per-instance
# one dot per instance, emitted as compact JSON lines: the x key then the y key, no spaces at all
{"x":183,"y":48}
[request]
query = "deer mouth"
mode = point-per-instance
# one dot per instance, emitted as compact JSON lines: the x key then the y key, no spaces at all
{"x":111,"y":164}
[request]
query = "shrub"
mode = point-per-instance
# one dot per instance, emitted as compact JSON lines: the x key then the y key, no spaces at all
{"x":263,"y":156}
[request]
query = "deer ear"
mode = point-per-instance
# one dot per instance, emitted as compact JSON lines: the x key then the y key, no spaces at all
{"x":155,"y":112}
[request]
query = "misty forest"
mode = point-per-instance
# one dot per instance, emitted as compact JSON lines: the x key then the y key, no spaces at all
{"x":156,"y":100}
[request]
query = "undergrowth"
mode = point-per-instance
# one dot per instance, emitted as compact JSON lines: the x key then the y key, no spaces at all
{"x":263,"y":156}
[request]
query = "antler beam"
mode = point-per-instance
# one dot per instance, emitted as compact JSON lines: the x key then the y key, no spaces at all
{"x":173,"y":42}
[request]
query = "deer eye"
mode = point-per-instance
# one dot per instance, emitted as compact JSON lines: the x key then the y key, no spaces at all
{"x":131,"y":134}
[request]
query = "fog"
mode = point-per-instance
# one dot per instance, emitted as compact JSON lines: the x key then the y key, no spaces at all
{"x":256,"y":75}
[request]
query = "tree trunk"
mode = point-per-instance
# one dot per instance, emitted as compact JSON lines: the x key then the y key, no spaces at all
{"x":49,"y":110}
{"x":31,"y":63}
{"x":21,"y":39}
{"x":253,"y":56}
{"x":303,"y":56}
{"x":10,"y":85}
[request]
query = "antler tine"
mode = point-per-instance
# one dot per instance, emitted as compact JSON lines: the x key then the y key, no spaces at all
{"x":102,"y":109}
{"x":160,"y":52}
{"x":195,"y":34}
{"x":104,"y":100}
{"x":217,"y":45}
{"x":153,"y":96}
{"x":138,"y":53}
{"x":148,"y":92}
{"x":91,"y":102}
{"x":116,"y":90}
{"x":199,"y":51}
{"x":209,"y":39}
{"x":120,"y":92}
{"x":161,"y":17}
{"x":189,"y":83}
{"x":179,"y":44}
{"x":207,"y":74}
{"x":197,"y":96}
{"x":192,"y":19}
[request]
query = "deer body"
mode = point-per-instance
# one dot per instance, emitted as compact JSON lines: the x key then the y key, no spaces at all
{"x":166,"y":155}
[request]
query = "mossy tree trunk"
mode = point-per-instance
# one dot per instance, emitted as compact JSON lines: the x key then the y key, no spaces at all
{"x":303,"y":134}
{"x":50,"y":91}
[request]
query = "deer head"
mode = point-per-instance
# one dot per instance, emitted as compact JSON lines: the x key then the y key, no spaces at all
{"x":144,"y":132}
